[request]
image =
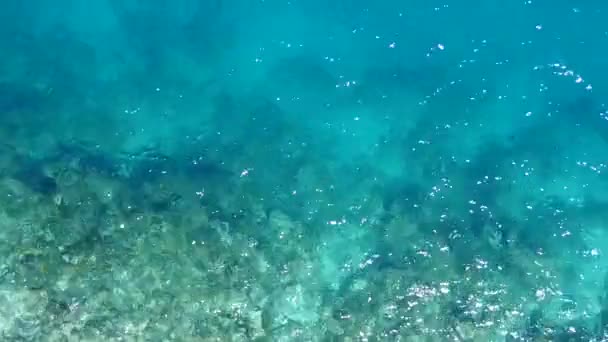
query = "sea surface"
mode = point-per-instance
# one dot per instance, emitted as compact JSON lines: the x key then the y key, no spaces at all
{"x":303,"y":170}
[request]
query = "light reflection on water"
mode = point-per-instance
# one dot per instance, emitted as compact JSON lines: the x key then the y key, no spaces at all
{"x":303,"y":171}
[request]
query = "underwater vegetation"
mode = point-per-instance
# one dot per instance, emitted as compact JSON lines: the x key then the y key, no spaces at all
{"x":302,"y":171}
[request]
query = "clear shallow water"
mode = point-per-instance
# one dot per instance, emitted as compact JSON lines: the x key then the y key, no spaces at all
{"x":303,"y":171}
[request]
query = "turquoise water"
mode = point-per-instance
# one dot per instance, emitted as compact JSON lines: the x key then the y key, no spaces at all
{"x":271,"y":170}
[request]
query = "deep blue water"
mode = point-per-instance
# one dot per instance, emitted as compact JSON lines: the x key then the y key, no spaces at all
{"x":271,"y":170}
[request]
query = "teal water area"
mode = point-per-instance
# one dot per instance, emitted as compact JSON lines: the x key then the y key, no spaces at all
{"x":272,"y":170}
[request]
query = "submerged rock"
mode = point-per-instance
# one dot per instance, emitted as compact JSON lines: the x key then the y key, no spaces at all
{"x":34,"y":177}
{"x":297,"y":304}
